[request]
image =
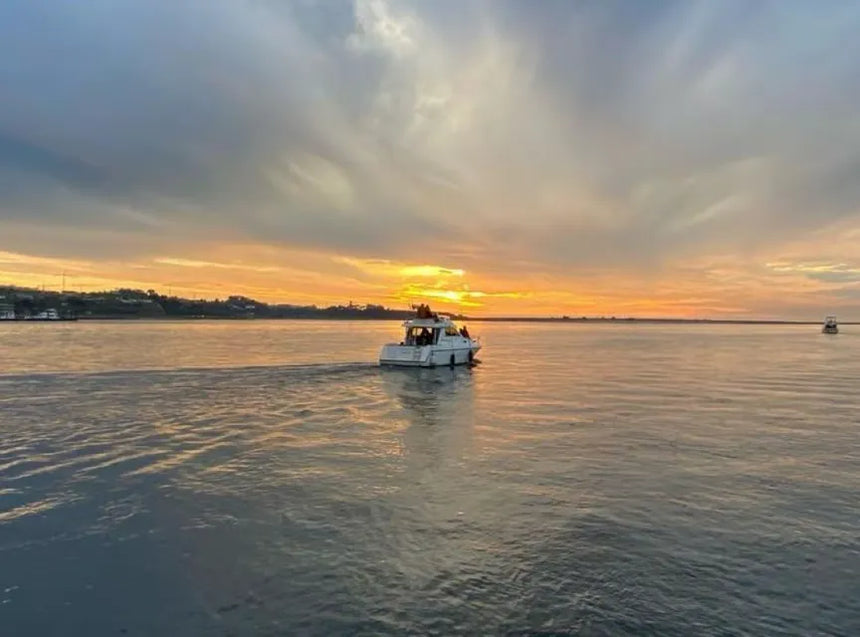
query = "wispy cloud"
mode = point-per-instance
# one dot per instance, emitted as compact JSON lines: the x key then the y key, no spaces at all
{"x":194,"y":263}
{"x":823,"y":271}
{"x":389,"y":269}
{"x":530,"y":146}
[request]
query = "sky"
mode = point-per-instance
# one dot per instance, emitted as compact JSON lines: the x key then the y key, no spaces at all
{"x":496,"y":157}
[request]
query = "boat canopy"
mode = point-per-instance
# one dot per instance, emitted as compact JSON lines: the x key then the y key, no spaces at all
{"x":437,"y":323}
{"x":434,"y":323}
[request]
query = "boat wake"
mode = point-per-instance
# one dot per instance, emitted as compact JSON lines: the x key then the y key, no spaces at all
{"x":301,"y":369}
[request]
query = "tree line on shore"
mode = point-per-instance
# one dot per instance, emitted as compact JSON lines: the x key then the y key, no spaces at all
{"x":131,"y":303}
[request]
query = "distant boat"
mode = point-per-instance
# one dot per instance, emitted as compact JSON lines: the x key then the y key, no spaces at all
{"x":50,"y":315}
{"x":830,"y":326}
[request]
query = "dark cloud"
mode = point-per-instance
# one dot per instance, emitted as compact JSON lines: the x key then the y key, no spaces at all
{"x":18,"y":154}
{"x":614,"y":133}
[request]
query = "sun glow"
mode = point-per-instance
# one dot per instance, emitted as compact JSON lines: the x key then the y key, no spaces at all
{"x":463,"y":296}
{"x":274,"y":274}
{"x":392,"y":269}
{"x":430,"y":271}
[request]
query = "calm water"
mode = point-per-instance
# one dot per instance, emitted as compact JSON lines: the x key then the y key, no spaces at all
{"x":266,"y":478}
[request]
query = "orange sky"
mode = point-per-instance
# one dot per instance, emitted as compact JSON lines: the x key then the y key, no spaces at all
{"x":711,"y":287}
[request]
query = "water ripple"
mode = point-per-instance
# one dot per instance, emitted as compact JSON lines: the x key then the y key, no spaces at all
{"x":622,"y":480}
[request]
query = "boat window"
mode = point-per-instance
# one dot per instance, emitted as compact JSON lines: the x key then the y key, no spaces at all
{"x":421,"y":336}
{"x":451,"y":331}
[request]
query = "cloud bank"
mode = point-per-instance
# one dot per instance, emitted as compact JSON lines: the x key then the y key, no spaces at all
{"x":564,"y":155}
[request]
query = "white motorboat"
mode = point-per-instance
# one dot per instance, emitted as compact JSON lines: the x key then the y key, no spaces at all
{"x":830,"y":326}
{"x":431,"y":340}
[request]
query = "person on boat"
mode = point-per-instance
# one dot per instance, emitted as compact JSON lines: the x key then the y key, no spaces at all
{"x":464,"y":332}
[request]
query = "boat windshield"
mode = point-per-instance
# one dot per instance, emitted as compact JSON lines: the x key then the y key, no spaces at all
{"x":421,"y":336}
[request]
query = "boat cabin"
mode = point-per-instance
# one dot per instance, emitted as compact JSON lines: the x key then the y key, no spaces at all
{"x":421,"y":332}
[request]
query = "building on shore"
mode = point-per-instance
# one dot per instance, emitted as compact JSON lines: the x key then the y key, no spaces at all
{"x":7,"y":310}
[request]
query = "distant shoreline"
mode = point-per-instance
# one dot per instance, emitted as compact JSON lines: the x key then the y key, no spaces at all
{"x":461,"y":319}
{"x":26,"y":304}
{"x":653,"y":320}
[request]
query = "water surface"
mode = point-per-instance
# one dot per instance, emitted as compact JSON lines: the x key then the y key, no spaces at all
{"x":215,"y":478}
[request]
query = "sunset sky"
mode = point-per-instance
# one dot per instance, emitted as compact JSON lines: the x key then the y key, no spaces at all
{"x":696,"y":159}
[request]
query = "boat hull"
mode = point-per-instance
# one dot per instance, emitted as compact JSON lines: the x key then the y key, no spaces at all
{"x":427,"y":356}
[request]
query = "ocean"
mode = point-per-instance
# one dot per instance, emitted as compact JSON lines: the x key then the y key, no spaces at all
{"x":268,"y":478}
